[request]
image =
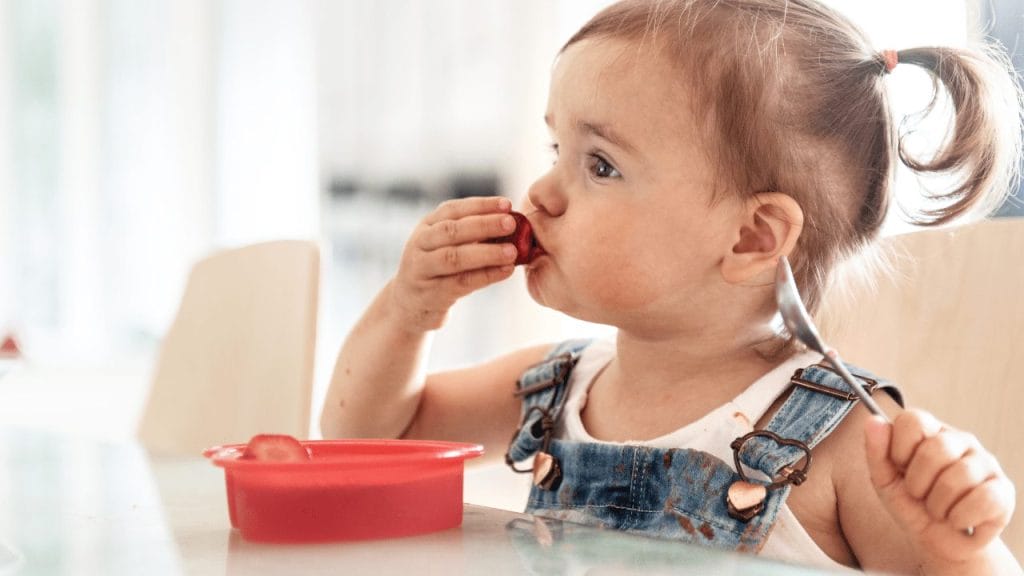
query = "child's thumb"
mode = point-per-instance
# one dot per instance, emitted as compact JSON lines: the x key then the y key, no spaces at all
{"x":877,"y":437}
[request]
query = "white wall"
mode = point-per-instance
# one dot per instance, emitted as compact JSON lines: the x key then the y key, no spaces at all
{"x":266,"y":122}
{"x":170,"y":128}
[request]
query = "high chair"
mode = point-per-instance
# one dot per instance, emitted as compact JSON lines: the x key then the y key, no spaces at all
{"x":948,"y":328}
{"x":238,"y":358}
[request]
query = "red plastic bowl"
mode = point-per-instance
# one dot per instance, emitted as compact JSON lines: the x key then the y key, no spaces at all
{"x":347,"y":490}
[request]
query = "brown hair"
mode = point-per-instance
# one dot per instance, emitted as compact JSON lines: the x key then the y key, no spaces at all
{"x":792,"y":99}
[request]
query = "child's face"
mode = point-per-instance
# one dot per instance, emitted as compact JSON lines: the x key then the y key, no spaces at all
{"x":626,"y":213}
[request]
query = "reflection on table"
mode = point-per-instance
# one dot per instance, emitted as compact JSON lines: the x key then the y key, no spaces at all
{"x":74,"y":506}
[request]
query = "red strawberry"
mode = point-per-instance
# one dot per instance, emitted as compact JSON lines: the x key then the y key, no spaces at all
{"x":275,"y":448}
{"x":9,"y":348}
{"x":525,"y":242}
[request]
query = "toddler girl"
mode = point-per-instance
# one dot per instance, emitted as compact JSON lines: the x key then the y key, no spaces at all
{"x":697,"y":142}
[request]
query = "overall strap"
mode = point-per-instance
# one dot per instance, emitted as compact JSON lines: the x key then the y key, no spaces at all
{"x":820,"y":400}
{"x":543,"y":388}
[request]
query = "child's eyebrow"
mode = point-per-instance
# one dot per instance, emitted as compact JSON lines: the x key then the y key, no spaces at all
{"x":603,"y":131}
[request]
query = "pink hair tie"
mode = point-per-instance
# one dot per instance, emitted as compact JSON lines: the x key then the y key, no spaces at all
{"x":892,"y":58}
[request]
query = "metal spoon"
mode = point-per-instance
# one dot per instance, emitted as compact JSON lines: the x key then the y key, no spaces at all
{"x":799,"y":324}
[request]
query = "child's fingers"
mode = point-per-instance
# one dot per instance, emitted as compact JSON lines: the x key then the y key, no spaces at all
{"x":986,"y":508}
{"x":463,"y":207}
{"x":470,"y":281}
{"x":453,"y":260}
{"x":878,"y":436}
{"x":465,"y":230}
{"x":933,"y":455}
{"x":910,"y":428}
{"x":957,"y":480}
{"x":966,"y":500}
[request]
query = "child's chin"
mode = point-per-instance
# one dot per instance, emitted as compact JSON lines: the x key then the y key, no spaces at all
{"x":533,"y":281}
{"x":540,"y":289}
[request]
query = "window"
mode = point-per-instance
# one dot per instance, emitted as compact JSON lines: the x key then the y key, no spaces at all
{"x":1003,"y":20}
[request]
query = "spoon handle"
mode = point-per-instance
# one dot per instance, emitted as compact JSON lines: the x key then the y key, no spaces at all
{"x":833,"y":358}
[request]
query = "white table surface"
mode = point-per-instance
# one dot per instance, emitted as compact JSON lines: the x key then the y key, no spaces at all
{"x":81,"y":506}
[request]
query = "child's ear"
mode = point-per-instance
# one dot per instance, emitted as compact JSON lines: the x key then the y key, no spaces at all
{"x":768,"y":227}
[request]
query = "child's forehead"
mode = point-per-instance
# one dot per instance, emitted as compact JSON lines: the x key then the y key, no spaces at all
{"x":603,"y":60}
{"x":634,"y":89}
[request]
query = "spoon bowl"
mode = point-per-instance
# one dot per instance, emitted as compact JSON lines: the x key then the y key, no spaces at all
{"x":798,"y":322}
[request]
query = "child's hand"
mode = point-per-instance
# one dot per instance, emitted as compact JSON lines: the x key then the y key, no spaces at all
{"x":445,"y":259}
{"x":939,"y":484}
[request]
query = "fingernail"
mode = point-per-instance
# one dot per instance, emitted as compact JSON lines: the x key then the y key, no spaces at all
{"x":504,"y":204}
{"x":874,"y":423}
{"x":508,"y":250}
{"x":875,"y":429}
{"x":508,"y":223}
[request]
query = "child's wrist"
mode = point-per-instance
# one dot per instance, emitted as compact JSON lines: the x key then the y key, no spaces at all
{"x":408,"y":320}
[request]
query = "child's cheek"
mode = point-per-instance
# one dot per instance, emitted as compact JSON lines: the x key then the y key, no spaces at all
{"x":622,"y":279}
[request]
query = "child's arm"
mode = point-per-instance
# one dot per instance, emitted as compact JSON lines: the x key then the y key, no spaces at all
{"x":378,"y":380}
{"x":923,"y":484}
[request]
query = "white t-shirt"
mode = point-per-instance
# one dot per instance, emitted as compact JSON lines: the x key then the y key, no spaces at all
{"x":712,"y":434}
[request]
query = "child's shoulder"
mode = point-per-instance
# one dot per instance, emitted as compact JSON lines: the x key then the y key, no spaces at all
{"x":843,"y":446}
{"x":837,"y":503}
{"x":841,"y":455}
{"x":842,"y":459}
{"x":844,"y":449}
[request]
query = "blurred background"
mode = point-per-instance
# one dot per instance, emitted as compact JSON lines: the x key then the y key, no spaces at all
{"x":137,"y":136}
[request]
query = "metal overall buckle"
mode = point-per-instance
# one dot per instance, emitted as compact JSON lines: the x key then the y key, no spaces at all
{"x":547,"y":473}
{"x":745,"y":499}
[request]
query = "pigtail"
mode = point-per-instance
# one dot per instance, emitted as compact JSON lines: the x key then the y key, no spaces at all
{"x":981,"y":150}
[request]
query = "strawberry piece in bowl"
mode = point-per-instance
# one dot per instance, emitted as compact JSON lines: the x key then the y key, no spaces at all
{"x":274,"y":448}
{"x":523,"y":238}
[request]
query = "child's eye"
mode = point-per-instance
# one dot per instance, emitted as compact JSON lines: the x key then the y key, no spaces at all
{"x":600,"y":168}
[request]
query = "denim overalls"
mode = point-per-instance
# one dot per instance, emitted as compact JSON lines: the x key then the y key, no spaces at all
{"x":674,"y":493}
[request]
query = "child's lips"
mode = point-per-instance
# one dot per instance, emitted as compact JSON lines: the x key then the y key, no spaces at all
{"x":536,"y":249}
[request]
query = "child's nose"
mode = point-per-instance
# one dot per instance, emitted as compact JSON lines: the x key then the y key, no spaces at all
{"x":546,"y":195}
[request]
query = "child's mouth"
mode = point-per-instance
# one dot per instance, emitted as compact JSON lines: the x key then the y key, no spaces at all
{"x":536,"y":250}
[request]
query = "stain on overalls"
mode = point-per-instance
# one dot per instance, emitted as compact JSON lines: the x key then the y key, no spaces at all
{"x":672,"y":493}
